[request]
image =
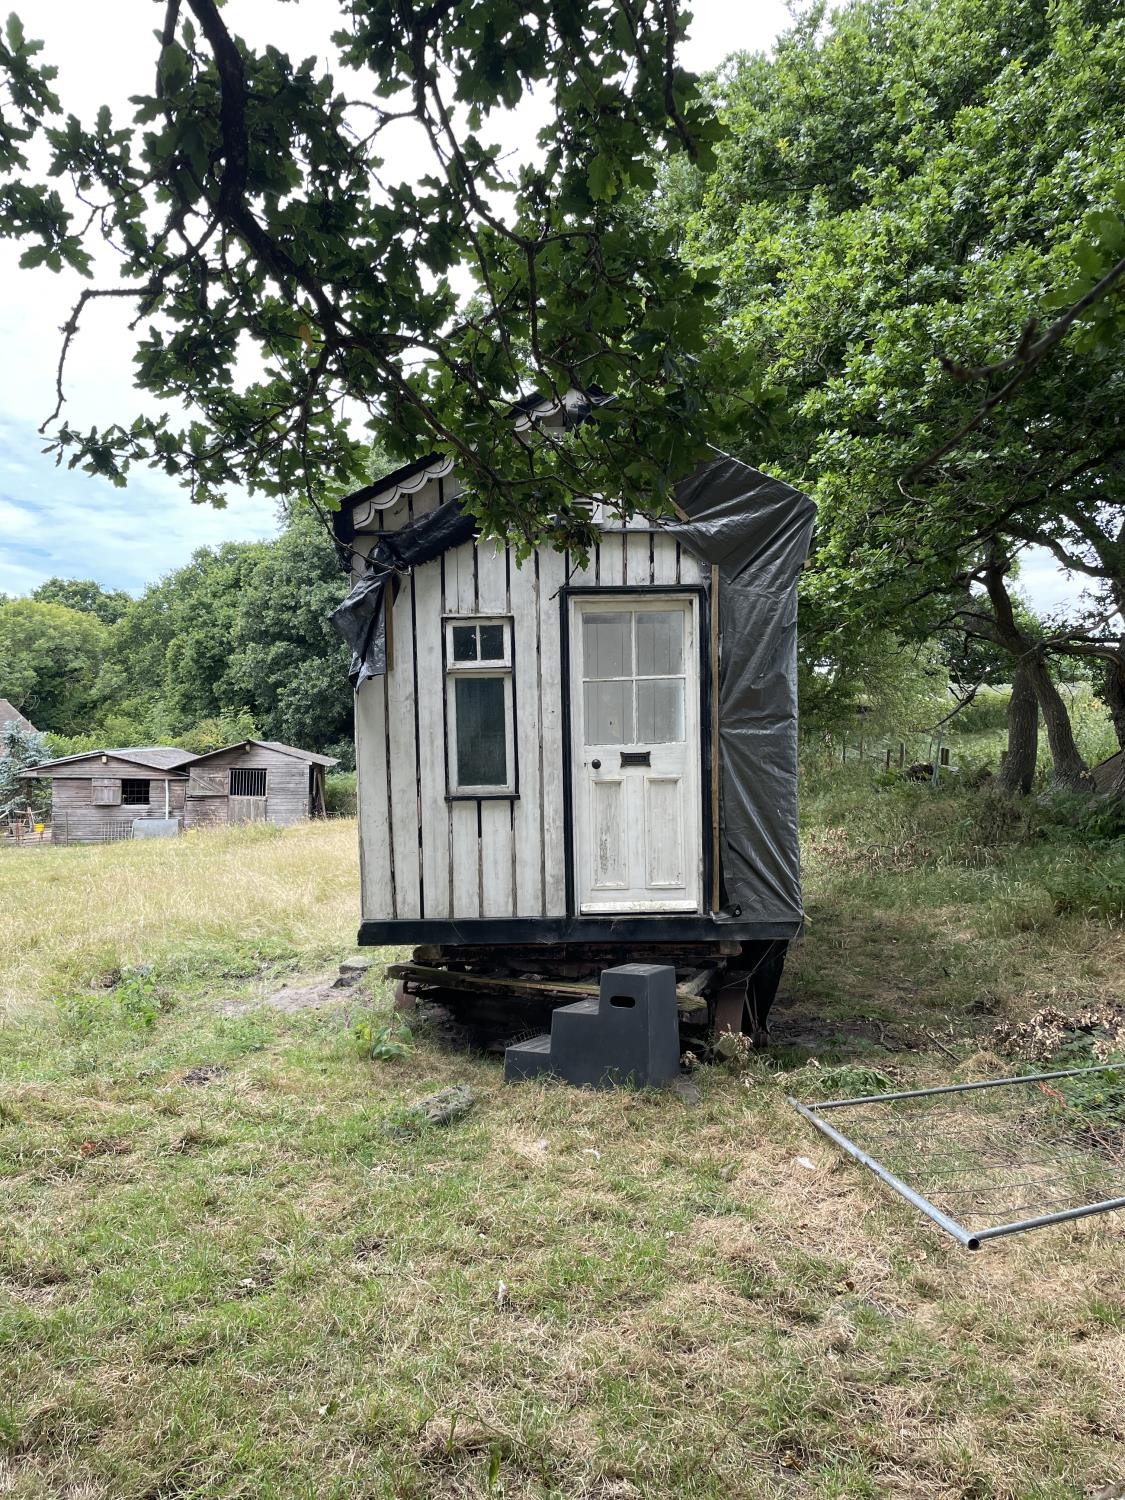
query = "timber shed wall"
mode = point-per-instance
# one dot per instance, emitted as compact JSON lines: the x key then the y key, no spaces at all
{"x":75,"y":818}
{"x":287,"y":786}
{"x":424,"y":856}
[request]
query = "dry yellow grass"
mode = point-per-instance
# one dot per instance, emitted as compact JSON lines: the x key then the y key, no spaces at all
{"x":243,"y":894}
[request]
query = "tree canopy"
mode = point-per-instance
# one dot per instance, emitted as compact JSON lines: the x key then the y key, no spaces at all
{"x":282,"y":280}
{"x":84,"y":595}
{"x":908,"y":196}
{"x":50,"y":658}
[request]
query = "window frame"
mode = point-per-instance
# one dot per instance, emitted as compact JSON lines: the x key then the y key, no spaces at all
{"x":135,"y":781}
{"x":501,"y":668}
{"x":232,"y":771}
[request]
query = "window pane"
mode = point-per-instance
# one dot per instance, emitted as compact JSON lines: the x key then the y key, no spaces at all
{"x":609,"y":713}
{"x":464,"y":643}
{"x":492,"y":643}
{"x":482,"y":758}
{"x":607,"y":648}
{"x":660,"y":710}
{"x":134,"y":793}
{"x":660,"y":643}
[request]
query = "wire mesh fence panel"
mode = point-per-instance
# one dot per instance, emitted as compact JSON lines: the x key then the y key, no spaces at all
{"x":995,"y":1155}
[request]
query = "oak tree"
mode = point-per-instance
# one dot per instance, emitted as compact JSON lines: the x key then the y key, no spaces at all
{"x":286,"y":287}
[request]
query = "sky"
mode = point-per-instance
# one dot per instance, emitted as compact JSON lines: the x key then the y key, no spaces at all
{"x":56,"y":522}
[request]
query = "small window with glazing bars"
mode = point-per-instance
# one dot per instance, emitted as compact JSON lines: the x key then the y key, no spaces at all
{"x":479,"y":709}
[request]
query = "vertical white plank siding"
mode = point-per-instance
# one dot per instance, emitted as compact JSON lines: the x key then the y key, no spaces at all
{"x":527,"y":814}
{"x":422,"y":855}
{"x":497,"y":897}
{"x":376,"y":881}
{"x":552,"y":576}
{"x":461,"y":598}
{"x":611,"y":559}
{"x":586,"y":577}
{"x":692,"y":571}
{"x":638,"y":557}
{"x":402,"y":749}
{"x":425,"y":626}
{"x":664,"y":565}
{"x":461,"y":580}
{"x":430,"y":678}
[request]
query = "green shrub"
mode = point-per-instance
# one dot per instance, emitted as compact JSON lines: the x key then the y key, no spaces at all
{"x":340,"y":794}
{"x":1093,"y":820}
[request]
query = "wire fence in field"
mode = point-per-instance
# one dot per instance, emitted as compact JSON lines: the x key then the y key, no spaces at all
{"x":994,"y":1157}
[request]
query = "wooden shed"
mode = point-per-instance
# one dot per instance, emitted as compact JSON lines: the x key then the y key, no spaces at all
{"x":255,"y":781}
{"x":97,"y":796}
{"x":101,"y":795}
{"x":551,"y":775}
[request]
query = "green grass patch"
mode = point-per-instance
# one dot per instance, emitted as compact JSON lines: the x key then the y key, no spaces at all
{"x":227,"y":1270}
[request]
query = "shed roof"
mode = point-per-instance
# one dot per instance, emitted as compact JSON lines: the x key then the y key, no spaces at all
{"x":310,"y":756}
{"x":151,"y":757}
{"x":9,"y":714}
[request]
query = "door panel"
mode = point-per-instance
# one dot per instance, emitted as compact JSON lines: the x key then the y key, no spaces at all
{"x":611,"y":861}
{"x":636,"y":754}
{"x":664,"y":825}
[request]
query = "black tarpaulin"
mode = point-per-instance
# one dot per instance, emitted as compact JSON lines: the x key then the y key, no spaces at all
{"x":361,"y":618}
{"x":756,"y":531}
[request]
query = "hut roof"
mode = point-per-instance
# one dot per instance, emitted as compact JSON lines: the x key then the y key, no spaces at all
{"x":573,"y":408}
{"x":310,"y":756}
{"x":11,"y":715}
{"x":152,"y":757}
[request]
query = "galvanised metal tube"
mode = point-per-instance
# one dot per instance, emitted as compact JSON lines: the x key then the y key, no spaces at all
{"x":931,"y":1210}
{"x":1105,"y":1207}
{"x":959,"y":1088}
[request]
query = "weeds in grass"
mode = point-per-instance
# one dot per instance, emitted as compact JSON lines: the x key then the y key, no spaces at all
{"x":1098,"y":1098}
{"x":389,"y":1041}
{"x":844,"y":1081}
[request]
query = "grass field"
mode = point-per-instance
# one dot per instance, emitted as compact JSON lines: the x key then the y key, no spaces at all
{"x":271,"y":1284}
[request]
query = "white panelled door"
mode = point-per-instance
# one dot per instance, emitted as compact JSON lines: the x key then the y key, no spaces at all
{"x":635,"y":721}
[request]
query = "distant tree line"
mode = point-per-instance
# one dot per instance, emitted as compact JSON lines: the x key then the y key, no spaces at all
{"x":234,"y":644}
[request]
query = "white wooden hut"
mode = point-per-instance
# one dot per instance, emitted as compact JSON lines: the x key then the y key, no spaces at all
{"x":549,"y":771}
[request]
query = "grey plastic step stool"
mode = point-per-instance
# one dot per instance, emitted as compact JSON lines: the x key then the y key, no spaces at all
{"x":630,"y":1034}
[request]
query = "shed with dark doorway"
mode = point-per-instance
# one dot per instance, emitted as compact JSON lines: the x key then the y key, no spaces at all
{"x":255,"y":781}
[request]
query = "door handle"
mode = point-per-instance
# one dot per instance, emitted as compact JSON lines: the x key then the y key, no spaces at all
{"x":596,"y":765}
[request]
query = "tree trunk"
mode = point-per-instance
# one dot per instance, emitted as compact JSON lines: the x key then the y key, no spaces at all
{"x":1115,"y":694}
{"x":1070,"y":768}
{"x":1017,"y":766}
